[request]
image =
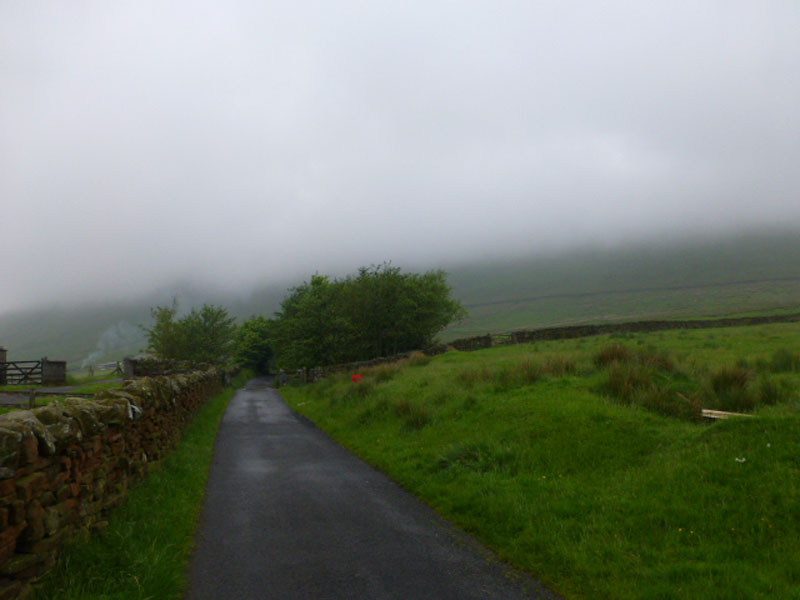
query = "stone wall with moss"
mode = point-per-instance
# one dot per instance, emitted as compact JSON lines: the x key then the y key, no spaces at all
{"x":64,"y":466}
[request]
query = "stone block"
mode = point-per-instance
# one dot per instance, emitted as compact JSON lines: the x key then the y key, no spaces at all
{"x":20,"y":562}
{"x":9,"y":589}
{"x":31,"y":486}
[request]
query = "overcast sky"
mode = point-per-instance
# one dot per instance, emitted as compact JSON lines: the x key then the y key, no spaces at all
{"x":242,"y":142}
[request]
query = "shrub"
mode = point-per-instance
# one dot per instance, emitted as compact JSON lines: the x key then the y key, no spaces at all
{"x":611,"y":354}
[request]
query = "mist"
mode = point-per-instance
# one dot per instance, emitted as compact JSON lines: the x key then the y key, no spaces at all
{"x":145,"y":145}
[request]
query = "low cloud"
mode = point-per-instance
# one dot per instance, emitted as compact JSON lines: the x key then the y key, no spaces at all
{"x":239,"y":143}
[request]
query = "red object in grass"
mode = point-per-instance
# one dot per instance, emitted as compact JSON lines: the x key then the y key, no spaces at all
{"x":357,"y":378}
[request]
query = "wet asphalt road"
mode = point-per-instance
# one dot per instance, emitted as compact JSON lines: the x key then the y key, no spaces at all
{"x":291,"y":514}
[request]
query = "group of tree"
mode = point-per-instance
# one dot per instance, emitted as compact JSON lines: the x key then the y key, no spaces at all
{"x":380,"y":311}
{"x":204,"y":335}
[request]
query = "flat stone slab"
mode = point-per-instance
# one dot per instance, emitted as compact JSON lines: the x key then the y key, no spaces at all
{"x":289,"y":513}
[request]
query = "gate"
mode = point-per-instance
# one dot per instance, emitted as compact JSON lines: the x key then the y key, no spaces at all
{"x":18,"y":372}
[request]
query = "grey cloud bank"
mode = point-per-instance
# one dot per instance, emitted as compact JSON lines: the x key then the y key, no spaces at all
{"x":234,"y":143}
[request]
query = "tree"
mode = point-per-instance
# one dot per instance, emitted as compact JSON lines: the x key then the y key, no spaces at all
{"x":310,"y":329}
{"x":202,"y":336}
{"x":379,"y":312}
{"x":164,"y":339}
{"x":254,"y":343}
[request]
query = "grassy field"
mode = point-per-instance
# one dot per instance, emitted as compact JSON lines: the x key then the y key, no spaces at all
{"x":584,"y":461}
{"x":144,"y":552}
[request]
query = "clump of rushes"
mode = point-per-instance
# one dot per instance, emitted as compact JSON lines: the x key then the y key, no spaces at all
{"x":415,"y":416}
{"x":656,"y":359}
{"x":772,"y":392}
{"x":727,"y":389}
{"x":383,"y":373}
{"x":626,"y":381}
{"x":670,"y":403}
{"x":559,"y":366}
{"x":418,"y":359}
{"x":784,"y":360}
{"x":474,"y":374}
{"x":612,"y":354}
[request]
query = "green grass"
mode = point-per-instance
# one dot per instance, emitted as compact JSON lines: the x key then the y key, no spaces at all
{"x":596,"y":493}
{"x":145,"y":550}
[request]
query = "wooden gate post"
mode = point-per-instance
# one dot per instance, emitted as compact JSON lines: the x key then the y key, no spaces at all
{"x":3,"y":358}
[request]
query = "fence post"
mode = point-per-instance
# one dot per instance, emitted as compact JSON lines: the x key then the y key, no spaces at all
{"x":32,"y":400}
{"x":3,"y":367}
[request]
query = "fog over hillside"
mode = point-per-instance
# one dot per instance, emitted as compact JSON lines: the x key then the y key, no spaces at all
{"x":231,"y":145}
{"x":694,"y":277}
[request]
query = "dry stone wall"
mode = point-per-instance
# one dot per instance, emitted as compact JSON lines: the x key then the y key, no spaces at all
{"x":64,"y":466}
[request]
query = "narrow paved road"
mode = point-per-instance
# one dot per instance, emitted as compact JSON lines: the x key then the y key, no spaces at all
{"x":291,"y":514}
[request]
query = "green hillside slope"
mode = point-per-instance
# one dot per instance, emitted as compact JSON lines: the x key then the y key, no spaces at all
{"x":738,"y":274}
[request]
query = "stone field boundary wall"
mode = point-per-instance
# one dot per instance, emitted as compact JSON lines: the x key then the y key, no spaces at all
{"x":65,"y":465}
{"x":481,"y":342}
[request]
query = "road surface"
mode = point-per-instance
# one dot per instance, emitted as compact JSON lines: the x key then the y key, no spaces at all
{"x":291,"y":514}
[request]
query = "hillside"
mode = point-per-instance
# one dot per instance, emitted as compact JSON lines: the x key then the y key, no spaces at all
{"x":738,"y":274}
{"x":748,"y":273}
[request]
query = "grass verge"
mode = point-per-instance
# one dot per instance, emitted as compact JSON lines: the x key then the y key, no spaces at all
{"x":144,"y":552}
{"x":589,"y":482}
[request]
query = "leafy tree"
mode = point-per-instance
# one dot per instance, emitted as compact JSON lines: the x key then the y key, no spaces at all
{"x":164,"y":339}
{"x":379,"y":312}
{"x":254,"y":343}
{"x":310,"y":329}
{"x":204,"y":335}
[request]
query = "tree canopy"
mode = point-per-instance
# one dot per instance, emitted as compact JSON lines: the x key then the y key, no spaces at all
{"x":254,"y":345}
{"x":378,"y":312}
{"x":203,"y":336}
